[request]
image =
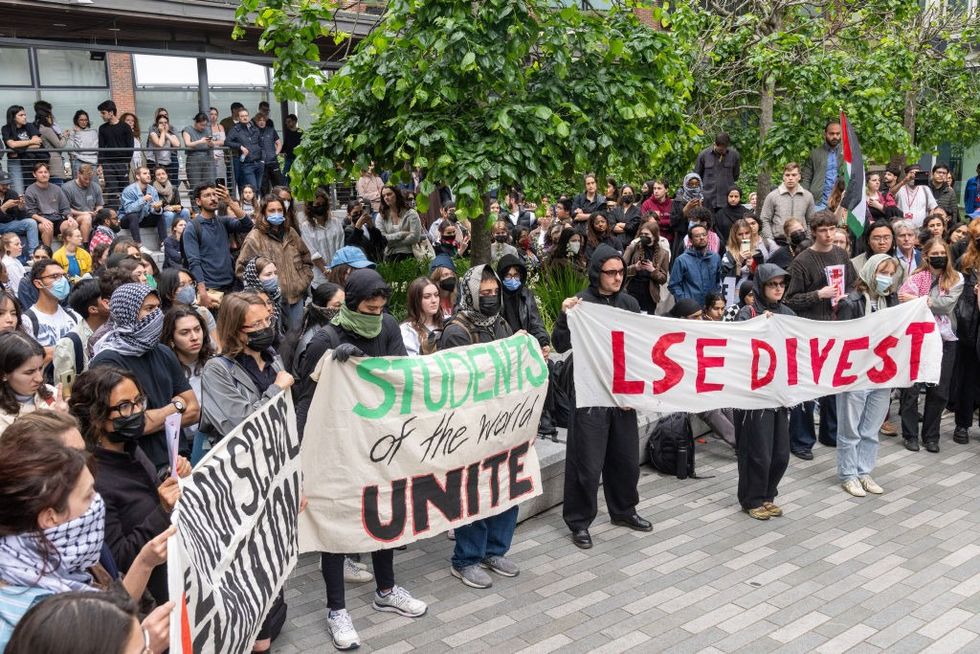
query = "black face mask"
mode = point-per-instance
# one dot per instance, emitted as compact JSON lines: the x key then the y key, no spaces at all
{"x":261,"y":340}
{"x":490,"y":306}
{"x":628,"y":199}
{"x":318,"y":210}
{"x":797,"y":237}
{"x":500,"y":238}
{"x":646,"y":240}
{"x":128,"y":429}
{"x":939,"y":262}
{"x":448,"y":284}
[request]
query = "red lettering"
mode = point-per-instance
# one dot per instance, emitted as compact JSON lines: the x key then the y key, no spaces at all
{"x":888,"y":367}
{"x":700,"y":385}
{"x":844,"y":362}
{"x":673,"y":373}
{"x":620,"y":383}
{"x":918,"y":331}
{"x":757,"y":347}
{"x":818,"y":357}
{"x":792,"y":376}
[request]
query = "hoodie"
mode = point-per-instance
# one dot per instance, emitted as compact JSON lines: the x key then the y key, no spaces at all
{"x":561,"y":337}
{"x":760,"y":305}
{"x":469,"y":325}
{"x":518,"y":307}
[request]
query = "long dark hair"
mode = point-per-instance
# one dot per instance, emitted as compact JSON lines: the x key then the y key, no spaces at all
{"x":400,"y":203}
{"x":168,"y":281}
{"x":16,"y":348}
{"x":170,"y":319}
{"x":415,"y":316}
{"x":97,"y":622}
{"x":78,"y":115}
{"x":89,"y":401}
{"x":12,"y":112}
{"x":560,"y":251}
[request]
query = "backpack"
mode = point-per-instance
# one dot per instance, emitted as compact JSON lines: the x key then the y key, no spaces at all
{"x":563,"y":390}
{"x":76,"y":345}
{"x":671,"y":446}
{"x":197,"y":230}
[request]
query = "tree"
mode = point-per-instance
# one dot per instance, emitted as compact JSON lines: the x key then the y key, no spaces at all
{"x":490,"y":94}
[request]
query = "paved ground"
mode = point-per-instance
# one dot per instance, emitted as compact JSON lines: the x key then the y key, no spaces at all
{"x":895,"y":573}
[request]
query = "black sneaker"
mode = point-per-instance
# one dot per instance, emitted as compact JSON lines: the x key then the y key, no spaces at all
{"x":911,"y":444}
{"x":806,"y":455}
{"x":961,"y":435}
{"x":932,"y":446}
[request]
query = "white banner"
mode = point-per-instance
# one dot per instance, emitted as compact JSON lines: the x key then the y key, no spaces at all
{"x":398,"y":449}
{"x":236,"y":540}
{"x":630,"y":360}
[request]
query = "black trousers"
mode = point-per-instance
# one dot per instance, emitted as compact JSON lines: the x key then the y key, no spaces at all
{"x":932,"y":411}
{"x":763,"y":454}
{"x":965,"y":383}
{"x":601,"y":442}
{"x":332,"y":569}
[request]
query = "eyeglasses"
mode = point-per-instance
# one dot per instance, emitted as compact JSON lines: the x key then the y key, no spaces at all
{"x":775,"y":284}
{"x":618,"y":272}
{"x":257,"y":325}
{"x":127,"y":408}
{"x":512,"y":276}
{"x":881,"y":239}
{"x":54,"y":276}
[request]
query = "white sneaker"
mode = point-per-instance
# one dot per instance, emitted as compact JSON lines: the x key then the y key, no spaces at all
{"x":354,"y":574}
{"x":342,"y":630}
{"x":853,"y":486}
{"x":401,"y":602}
{"x":868,"y":484}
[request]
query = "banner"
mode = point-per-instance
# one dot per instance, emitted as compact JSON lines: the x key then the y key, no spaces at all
{"x":657,"y":364}
{"x":398,"y":449}
{"x":236,"y":539}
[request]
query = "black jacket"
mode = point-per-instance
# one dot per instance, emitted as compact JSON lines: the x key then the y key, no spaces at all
{"x":459,"y":332}
{"x":854,"y":305}
{"x":631,"y":218}
{"x":561,"y":337}
{"x":519,"y":308}
{"x":249,"y":136}
{"x":763,"y":274}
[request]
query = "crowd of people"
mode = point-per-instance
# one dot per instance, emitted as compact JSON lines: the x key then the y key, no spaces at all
{"x":102,"y":340}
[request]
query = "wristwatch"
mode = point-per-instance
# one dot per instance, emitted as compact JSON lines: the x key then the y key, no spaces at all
{"x":179,"y":405}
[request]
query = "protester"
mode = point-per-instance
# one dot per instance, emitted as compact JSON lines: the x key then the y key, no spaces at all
{"x":601,"y":441}
{"x":740,"y":258}
{"x":689,"y":197}
{"x":965,"y":383}
{"x":10,"y":313}
{"x":626,"y":217}
{"x":937,"y":280}
{"x":369,"y":185}
{"x":442,"y":272}
{"x":599,"y":233}
{"x":187,"y":333}
{"x":714,"y":307}
{"x":588,"y":201}
{"x":173,"y":253}
{"x":46,"y":203}
{"x":423,"y":324}
{"x":245,"y":141}
{"x":789,"y":200}
{"x":84,"y":197}
{"x":22,"y":387}
{"x":942,"y":191}
{"x":914,"y":200}
{"x":71,"y":256}
{"x":322,"y":233}
{"x":695,"y":271}
{"x":47,"y":320}
{"x":169,"y":193}
{"x":325,"y":302}
{"x":400,"y":225}
{"x":361,"y":328}
{"x":729,"y":213}
{"x":647,"y":266}
{"x":878,"y":238}
{"x":116,"y":144}
{"x":658,"y":203}
{"x":719,"y":167}
{"x":762,"y":435}
{"x":824,"y":166}
{"x":70,"y":357}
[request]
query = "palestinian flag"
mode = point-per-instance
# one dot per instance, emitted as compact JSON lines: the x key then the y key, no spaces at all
{"x":855,"y":198}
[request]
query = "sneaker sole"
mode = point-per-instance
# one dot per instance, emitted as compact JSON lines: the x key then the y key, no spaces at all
{"x":358,"y":580}
{"x":342,"y":648}
{"x":394,"y":609}
{"x":500,"y":572}
{"x":466,"y":582}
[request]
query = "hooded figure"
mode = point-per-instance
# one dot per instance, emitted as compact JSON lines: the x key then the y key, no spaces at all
{"x":478,"y":318}
{"x":874,"y":296}
{"x":745,"y":289}
{"x":763,"y":274}
{"x":726,"y":215}
{"x":602,"y":441}
{"x":269,"y":288}
{"x":519,"y":308}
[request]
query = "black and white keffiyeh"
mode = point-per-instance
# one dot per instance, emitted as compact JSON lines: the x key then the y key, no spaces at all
{"x":250,"y":278}
{"x":469,"y":298}
{"x":129,"y":335}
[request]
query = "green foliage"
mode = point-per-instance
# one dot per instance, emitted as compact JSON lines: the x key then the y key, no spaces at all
{"x":399,"y":274}
{"x":552,"y":287}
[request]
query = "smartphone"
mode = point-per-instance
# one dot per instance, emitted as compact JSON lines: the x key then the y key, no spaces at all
{"x":66,"y":379}
{"x":746,"y":244}
{"x":921,"y":178}
{"x":221,"y":182}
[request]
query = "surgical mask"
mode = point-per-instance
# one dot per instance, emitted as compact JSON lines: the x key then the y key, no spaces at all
{"x":186,"y":295}
{"x":287,"y":204}
{"x":490,"y":306}
{"x":500,"y":238}
{"x":883,"y":283}
{"x":127,"y":429}
{"x":512,"y":284}
{"x":574,"y":247}
{"x":938,"y":262}
{"x":628,"y":199}
{"x":270,"y":285}
{"x":276,"y":219}
{"x":261,"y":340}
{"x":448,"y":284}
{"x":60,"y":289}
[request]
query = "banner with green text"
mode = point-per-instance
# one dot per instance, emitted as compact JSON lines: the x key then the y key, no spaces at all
{"x":397,"y":449}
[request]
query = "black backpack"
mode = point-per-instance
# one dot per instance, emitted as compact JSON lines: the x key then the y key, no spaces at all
{"x":562,"y":391}
{"x":671,"y":446}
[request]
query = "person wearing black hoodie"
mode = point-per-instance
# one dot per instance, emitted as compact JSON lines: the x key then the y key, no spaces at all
{"x":762,"y":435}
{"x":602,"y":441}
{"x":521,"y":312}
{"x":360,"y":329}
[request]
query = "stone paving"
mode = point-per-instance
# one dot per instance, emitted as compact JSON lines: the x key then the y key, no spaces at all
{"x":893,"y":573}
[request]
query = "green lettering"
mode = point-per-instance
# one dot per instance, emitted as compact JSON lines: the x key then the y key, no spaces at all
{"x":518,"y":345}
{"x":501,"y":366}
{"x":542,"y":374}
{"x":462,"y":363}
{"x":405,"y":365}
{"x":478,"y":375}
{"x":365,"y":370}
{"x":445,"y":378}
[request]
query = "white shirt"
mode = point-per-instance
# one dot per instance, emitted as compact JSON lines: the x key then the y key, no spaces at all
{"x":915,"y":202}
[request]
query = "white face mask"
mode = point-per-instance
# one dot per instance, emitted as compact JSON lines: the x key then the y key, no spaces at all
{"x":574,"y":247}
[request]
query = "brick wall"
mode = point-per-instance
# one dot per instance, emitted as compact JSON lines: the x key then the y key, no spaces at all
{"x":121,"y":81}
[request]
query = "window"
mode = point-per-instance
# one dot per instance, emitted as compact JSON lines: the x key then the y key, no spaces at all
{"x":16,"y":67}
{"x":70,"y":68}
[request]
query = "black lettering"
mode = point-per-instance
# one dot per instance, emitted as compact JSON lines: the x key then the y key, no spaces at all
{"x":473,"y":489}
{"x":518,"y":487}
{"x":370,"y":515}
{"x":449,"y":499}
{"x":493,"y":463}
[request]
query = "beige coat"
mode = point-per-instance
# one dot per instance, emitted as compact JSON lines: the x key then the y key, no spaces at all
{"x":291,"y":256}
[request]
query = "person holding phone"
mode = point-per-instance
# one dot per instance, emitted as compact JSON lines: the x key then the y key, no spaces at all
{"x":914,"y":199}
{"x":198,"y":137}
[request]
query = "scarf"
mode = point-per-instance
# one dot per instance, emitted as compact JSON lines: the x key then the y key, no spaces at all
{"x":165,"y":191}
{"x":77,"y":545}
{"x":469,"y":298}
{"x":365,"y":325}
{"x":129,"y":335}
{"x":251,"y":280}
{"x":873,"y":300}
{"x":687,"y":194}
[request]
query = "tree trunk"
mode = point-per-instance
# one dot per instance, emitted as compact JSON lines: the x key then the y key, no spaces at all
{"x":764,"y":182}
{"x":480,"y":235}
{"x":909,"y":119}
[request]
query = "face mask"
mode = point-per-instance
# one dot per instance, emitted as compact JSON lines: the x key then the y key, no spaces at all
{"x":500,"y":238}
{"x":512,"y":284}
{"x":574,"y":247}
{"x":261,"y":340}
{"x":797,"y":237}
{"x":883,"y":283}
{"x":276,"y":219}
{"x":270,"y":285}
{"x":287,"y":204}
{"x":525,"y":242}
{"x":79,"y":541}
{"x":938,"y":262}
{"x":128,"y":429}
{"x":318,"y":210}
{"x":186,"y":295}
{"x":60,"y":289}
{"x":489,"y":306}
{"x":646,"y":240}
{"x":448,"y":284}
{"x":628,"y":199}
{"x":449,"y":238}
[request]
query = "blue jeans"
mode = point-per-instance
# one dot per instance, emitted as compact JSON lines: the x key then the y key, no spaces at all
{"x":170,"y":216}
{"x":859,"y":417}
{"x":484,"y":538}
{"x":293,"y":314}
{"x":802,"y":435}
{"x":250,"y":172}
{"x":26,"y":228}
{"x":16,"y":171}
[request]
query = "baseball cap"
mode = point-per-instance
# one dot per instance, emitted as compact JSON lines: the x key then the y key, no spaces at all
{"x":351,"y":255}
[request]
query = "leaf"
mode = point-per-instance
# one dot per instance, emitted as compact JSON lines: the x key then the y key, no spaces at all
{"x":378,"y":87}
{"x":468,"y":62}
